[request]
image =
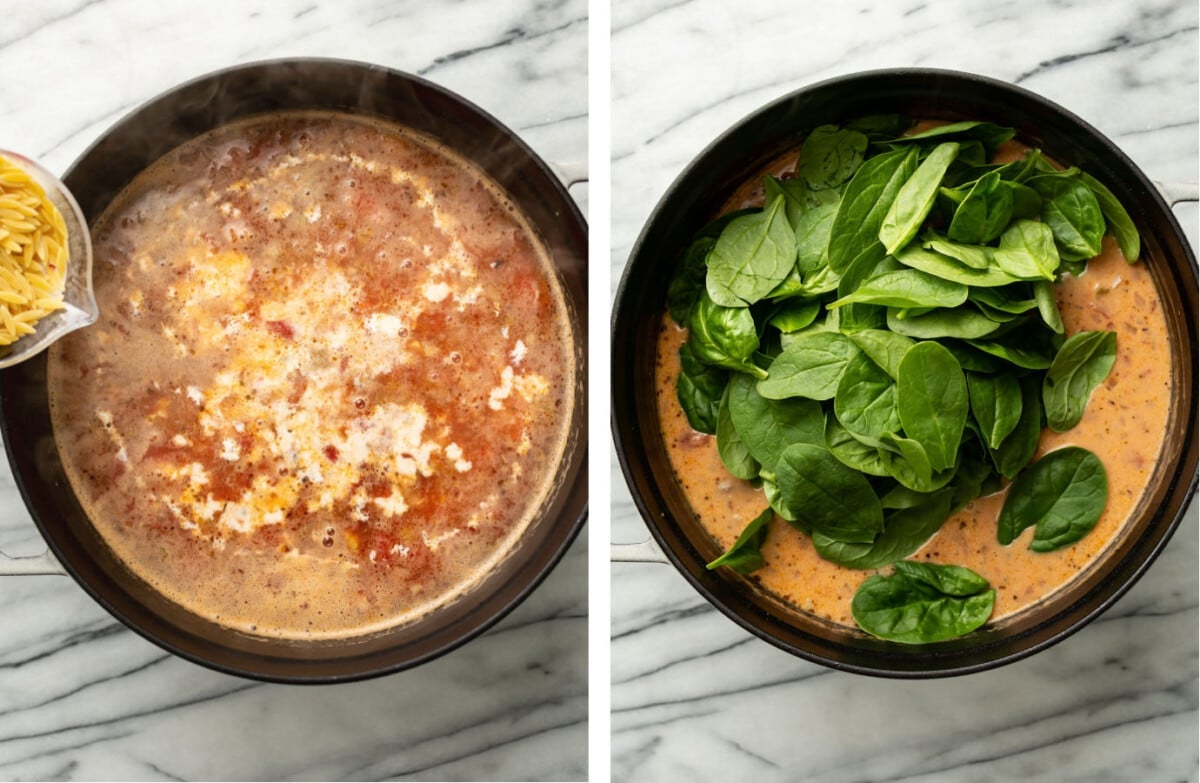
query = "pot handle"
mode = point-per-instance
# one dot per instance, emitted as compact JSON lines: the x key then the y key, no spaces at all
{"x":647,"y":551}
{"x":570,"y":173}
{"x":1176,"y":192}
{"x":45,"y":563}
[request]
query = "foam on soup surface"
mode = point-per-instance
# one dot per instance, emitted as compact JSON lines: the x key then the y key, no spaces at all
{"x":329,"y":385}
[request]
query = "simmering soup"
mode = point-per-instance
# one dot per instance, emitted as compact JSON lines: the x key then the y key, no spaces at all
{"x":328,"y":387}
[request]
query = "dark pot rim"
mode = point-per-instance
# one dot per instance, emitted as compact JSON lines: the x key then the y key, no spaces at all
{"x":183,"y":112}
{"x":690,"y":201}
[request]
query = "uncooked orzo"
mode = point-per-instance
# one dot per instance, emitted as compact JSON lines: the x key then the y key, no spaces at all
{"x":33,"y":253}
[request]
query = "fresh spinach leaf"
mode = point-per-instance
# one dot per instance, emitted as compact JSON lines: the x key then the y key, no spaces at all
{"x":946,"y":579}
{"x":812,"y":239}
{"x":1026,"y":203}
{"x":1018,"y":448}
{"x":810,"y":366}
{"x":730,"y":447}
{"x":931,"y":399}
{"x":1007,"y":300}
{"x":1027,"y":251}
{"x":915,"y":199}
{"x":1062,"y":494}
{"x":906,"y":288}
{"x":885,"y":348}
{"x":1119,"y":222}
{"x":996,"y":405}
{"x":856,"y":316}
{"x":865,"y":203}
{"x":984,"y":213}
{"x":699,"y":389}
{"x":1082,"y":363}
{"x":767,"y":427}
{"x":880,"y":127}
{"x":1072,"y":212}
{"x":990,"y":134}
{"x":745,"y":556}
{"x":905,"y":530}
{"x":751,"y":257}
{"x":912,"y":605}
{"x":829,"y":496}
{"x":775,"y":501}
{"x":865,"y":400}
{"x":1019,"y":348}
{"x":974,"y":256}
{"x":851,"y":451}
{"x":965,"y":323}
{"x":1047,"y":305}
{"x":688,"y":283}
{"x":906,"y":460}
{"x":949,"y":268}
{"x":795,"y":314}
{"x":724,"y":336}
{"x":830,"y":156}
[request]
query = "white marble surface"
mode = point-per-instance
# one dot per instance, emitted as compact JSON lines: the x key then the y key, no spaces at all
{"x":694,"y":697}
{"x":83,"y":698}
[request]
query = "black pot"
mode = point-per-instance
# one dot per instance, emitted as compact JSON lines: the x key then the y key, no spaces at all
{"x":180,"y":115}
{"x":698,"y":195}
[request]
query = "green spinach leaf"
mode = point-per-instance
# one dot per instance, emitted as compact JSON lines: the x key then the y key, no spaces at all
{"x":829,"y":496}
{"x":699,"y":389}
{"x":688,"y":283}
{"x":915,"y":199}
{"x":990,"y":134}
{"x":905,"y":530}
{"x":949,"y":268}
{"x":1018,"y":448}
{"x":830,"y":156}
{"x":965,"y":323}
{"x":906,"y":288}
{"x":851,"y":451}
{"x":1027,"y":251}
{"x":931,"y":399}
{"x":1047,"y":305}
{"x":865,"y":203}
{"x":912,"y":605}
{"x":724,"y":336}
{"x":996,"y":405}
{"x":795,"y":314}
{"x":752,"y":256}
{"x":885,"y":348}
{"x":1081,"y":365}
{"x":1062,"y":494}
{"x":745,"y":556}
{"x":730,"y":447}
{"x":767,"y":427}
{"x":1071,"y":211}
{"x":1119,"y":222}
{"x":984,"y":213}
{"x":810,"y":366}
{"x":865,"y":400}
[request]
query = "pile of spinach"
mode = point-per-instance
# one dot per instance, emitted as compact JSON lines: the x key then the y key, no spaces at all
{"x":880,"y":343}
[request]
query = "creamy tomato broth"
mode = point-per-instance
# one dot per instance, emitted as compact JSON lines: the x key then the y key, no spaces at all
{"x":1124,"y":425}
{"x":330,"y":381}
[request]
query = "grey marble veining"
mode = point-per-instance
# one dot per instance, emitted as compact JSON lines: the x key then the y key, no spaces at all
{"x":81,"y":697}
{"x":697,"y":698}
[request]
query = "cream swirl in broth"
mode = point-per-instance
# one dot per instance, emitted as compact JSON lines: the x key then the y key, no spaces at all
{"x":329,"y":383}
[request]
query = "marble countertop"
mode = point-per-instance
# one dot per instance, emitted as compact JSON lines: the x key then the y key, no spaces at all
{"x":694,"y":697}
{"x":81,"y":697}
